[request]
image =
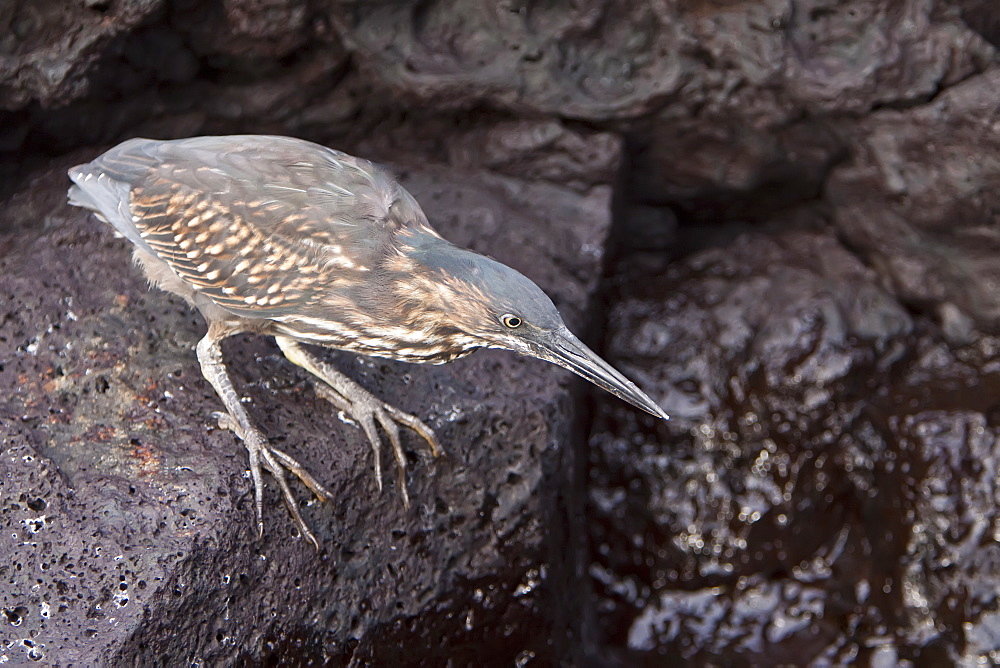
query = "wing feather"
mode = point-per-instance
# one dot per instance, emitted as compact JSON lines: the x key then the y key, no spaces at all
{"x":264,"y":226}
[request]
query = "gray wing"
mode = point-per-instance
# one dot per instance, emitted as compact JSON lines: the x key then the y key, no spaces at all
{"x":260,"y":224}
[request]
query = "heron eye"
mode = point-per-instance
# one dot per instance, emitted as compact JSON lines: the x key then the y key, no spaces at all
{"x":511,"y":321}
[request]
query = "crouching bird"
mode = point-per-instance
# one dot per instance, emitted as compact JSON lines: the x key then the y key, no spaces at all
{"x":283,"y":237}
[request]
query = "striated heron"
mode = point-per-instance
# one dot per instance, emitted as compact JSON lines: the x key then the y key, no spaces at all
{"x":283,"y":237}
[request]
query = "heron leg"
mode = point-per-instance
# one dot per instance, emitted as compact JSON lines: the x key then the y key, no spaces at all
{"x":364,"y":407}
{"x":262,"y":454}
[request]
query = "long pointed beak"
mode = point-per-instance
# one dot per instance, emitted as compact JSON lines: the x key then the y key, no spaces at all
{"x":563,"y":348}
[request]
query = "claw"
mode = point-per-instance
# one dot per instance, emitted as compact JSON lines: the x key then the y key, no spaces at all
{"x":322,"y":493}
{"x":363,"y":407}
{"x":263,"y":455}
{"x":397,"y":449}
{"x":417,"y":425}
{"x":376,"y":443}
{"x":277,"y":462}
{"x":366,"y":410}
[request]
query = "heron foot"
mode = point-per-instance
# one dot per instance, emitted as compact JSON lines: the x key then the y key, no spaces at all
{"x":264,"y":455}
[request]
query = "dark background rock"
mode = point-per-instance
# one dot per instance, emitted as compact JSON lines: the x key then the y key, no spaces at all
{"x":781,"y":215}
{"x":836,"y":507}
{"x":46,"y":49}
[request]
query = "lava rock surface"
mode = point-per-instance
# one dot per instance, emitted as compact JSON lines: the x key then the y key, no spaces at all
{"x":129,"y":515}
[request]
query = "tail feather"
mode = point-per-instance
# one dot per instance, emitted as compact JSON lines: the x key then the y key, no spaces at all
{"x":107,"y":198}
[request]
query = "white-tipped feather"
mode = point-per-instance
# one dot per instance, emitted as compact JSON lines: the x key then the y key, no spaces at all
{"x":108,"y":198}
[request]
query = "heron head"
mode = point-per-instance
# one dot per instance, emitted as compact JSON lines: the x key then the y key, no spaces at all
{"x":501,"y":308}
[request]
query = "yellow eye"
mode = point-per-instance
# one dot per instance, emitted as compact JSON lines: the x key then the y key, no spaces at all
{"x":511,"y":321}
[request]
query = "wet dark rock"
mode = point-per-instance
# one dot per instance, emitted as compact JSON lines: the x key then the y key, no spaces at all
{"x":129,"y":513}
{"x":754,"y":126}
{"x":729,"y":108}
{"x":538,"y":151}
{"x":826,"y":491}
{"x":266,"y":29}
{"x":176,"y":70}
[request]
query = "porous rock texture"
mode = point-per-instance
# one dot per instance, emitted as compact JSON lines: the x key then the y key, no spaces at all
{"x":781,"y":215}
{"x":131,"y":516}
